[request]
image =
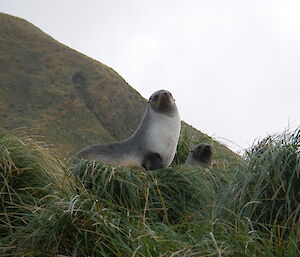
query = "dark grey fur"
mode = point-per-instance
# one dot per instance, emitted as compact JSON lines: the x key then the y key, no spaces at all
{"x":200,"y":155}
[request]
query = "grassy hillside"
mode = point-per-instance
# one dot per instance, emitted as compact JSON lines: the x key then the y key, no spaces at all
{"x":57,"y":92}
{"x":66,"y":97}
{"x":247,"y":208}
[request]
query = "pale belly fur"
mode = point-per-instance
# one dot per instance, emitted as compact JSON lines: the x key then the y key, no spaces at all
{"x":162,"y":137}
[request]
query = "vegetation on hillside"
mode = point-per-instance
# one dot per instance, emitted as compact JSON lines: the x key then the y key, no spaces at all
{"x":247,"y":207}
{"x":45,"y":84}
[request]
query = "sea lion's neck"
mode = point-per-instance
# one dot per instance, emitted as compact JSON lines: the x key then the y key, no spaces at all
{"x":151,"y":116}
{"x":142,"y":127}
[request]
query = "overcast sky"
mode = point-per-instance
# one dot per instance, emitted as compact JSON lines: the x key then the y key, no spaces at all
{"x":233,"y":66}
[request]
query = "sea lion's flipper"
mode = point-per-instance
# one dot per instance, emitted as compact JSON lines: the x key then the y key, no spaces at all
{"x":152,"y":161}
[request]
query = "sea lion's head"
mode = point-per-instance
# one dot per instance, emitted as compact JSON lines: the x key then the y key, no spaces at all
{"x":202,"y":153}
{"x":163,"y":102}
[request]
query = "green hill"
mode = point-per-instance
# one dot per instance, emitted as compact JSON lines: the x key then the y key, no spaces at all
{"x":66,"y":97}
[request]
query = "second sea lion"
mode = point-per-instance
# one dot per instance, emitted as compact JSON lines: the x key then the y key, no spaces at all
{"x":200,"y":155}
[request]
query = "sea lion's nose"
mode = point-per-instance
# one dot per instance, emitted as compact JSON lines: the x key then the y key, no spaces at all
{"x":207,"y":147}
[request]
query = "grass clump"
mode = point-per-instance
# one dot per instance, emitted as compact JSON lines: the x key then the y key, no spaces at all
{"x":165,"y":194}
{"x":265,"y":191}
{"x":25,"y":173}
{"x":269,"y":181}
{"x":247,"y":208}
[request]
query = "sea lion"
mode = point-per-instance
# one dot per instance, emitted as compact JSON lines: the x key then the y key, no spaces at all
{"x":200,"y":155}
{"x":152,"y":145}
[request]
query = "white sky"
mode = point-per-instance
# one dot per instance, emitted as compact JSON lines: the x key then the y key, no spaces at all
{"x":233,"y":66}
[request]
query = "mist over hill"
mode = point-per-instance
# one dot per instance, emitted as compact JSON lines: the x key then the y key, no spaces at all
{"x":69,"y":99}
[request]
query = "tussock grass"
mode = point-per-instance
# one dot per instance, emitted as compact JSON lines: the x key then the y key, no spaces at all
{"x":266,"y":188}
{"x":183,"y":148}
{"x":25,"y":168}
{"x":245,"y":208}
{"x":165,"y":194}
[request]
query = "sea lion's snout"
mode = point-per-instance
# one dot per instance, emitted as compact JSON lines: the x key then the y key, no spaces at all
{"x":166,"y":98}
{"x":160,"y":94}
{"x":205,"y":148}
{"x":203,"y":152}
{"x":162,"y":101}
{"x":166,"y":94}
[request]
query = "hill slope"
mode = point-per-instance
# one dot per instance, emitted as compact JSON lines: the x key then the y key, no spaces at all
{"x":65,"y":96}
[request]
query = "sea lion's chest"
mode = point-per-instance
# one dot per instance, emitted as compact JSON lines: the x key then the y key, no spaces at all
{"x":162,"y":137}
